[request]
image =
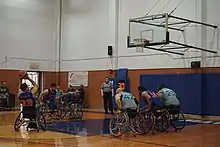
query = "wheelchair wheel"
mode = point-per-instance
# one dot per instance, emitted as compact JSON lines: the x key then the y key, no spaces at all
{"x":177,"y":120}
{"x":42,"y":122}
{"x":161,"y":122}
{"x":118,"y":124}
{"x":149,"y":120}
{"x":76,"y":111}
{"x":18,"y":122}
{"x":139,"y":124}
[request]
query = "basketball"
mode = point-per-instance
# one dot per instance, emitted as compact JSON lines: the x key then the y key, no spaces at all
{"x":22,"y":73}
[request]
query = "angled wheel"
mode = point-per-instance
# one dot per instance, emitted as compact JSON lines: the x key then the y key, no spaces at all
{"x":161,"y":122}
{"x":178,"y":121}
{"x":118,"y":124}
{"x":18,"y":122}
{"x":149,"y":120}
{"x":139,"y":124}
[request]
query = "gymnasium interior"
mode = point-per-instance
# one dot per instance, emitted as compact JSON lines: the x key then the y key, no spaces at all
{"x":78,"y":44}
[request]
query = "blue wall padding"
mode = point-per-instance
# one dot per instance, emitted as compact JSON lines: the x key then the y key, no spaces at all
{"x":121,"y":74}
{"x":210,"y":94}
{"x":198,"y":92}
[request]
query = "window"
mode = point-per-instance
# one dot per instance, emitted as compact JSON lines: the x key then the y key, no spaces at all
{"x":34,"y":76}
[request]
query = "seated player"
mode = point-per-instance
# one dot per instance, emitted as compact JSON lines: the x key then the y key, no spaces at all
{"x":126,"y":102}
{"x":59,"y":91}
{"x":28,"y":101}
{"x":4,"y":94}
{"x":48,"y":96}
{"x":168,"y":96}
{"x":150,"y":98}
{"x":70,"y":97}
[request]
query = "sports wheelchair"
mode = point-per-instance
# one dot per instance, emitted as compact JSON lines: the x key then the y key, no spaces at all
{"x":48,"y":112}
{"x":161,"y":119}
{"x":31,"y":116}
{"x":125,"y":121}
{"x":71,"y":108}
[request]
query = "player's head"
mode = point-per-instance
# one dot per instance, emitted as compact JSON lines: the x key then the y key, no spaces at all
{"x":141,"y":89}
{"x":119,"y":90}
{"x":3,"y":82}
{"x":53,"y":86}
{"x":24,"y":87}
{"x":160,"y":86}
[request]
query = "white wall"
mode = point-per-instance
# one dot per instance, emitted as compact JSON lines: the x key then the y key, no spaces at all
{"x":81,"y":49}
{"x":87,"y":30}
{"x":28,"y":33}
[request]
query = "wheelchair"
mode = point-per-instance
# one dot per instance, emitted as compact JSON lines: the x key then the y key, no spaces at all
{"x":47,"y":111}
{"x":168,"y":117}
{"x":122,"y":122}
{"x":149,"y":120}
{"x":28,"y":116}
{"x":72,"y":109}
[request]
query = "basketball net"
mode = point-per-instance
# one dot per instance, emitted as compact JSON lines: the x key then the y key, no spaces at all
{"x":140,"y":41}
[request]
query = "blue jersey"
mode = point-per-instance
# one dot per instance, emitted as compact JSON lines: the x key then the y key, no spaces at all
{"x":154,"y":99}
{"x":27,"y":99}
{"x":128,"y":101}
{"x":51,"y":95}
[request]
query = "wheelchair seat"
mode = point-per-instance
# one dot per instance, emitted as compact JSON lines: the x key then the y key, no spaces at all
{"x":29,"y":112}
{"x":173,"y":109}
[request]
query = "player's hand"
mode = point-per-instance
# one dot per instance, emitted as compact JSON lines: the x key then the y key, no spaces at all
{"x":118,"y":111}
{"x":25,"y":76}
{"x":147,"y":110}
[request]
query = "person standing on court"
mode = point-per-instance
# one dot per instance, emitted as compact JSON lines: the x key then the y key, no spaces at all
{"x":107,"y":93}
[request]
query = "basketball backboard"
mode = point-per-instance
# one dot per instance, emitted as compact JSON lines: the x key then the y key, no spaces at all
{"x":148,"y":31}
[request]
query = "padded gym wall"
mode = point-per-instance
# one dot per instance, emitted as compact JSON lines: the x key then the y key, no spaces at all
{"x":197,"y":92}
{"x":28,"y":34}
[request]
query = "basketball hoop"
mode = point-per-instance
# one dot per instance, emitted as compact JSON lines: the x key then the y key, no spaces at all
{"x":141,"y":41}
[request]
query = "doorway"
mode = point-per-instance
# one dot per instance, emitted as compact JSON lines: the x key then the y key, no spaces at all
{"x":35,"y":76}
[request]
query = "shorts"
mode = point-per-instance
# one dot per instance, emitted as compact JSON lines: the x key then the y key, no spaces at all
{"x":131,"y":112}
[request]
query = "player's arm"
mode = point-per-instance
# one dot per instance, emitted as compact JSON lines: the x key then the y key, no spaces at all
{"x":137,"y":103}
{"x":146,"y":97}
{"x":42,"y":94}
{"x":118,"y":101}
{"x":102,"y":90}
{"x":35,"y":88}
{"x":160,"y":94}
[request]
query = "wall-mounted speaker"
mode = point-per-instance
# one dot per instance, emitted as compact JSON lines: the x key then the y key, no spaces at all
{"x":196,"y":64}
{"x":110,"y":50}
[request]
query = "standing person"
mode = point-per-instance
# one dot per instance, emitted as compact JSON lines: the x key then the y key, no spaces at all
{"x":107,"y":93}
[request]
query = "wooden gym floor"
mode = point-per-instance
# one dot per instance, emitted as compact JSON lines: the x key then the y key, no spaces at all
{"x":93,"y":132}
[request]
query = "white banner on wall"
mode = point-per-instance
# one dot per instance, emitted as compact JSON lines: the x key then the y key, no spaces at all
{"x":78,"y":78}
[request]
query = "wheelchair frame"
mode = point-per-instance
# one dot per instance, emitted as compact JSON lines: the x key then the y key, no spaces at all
{"x":39,"y":120}
{"x":127,"y":124}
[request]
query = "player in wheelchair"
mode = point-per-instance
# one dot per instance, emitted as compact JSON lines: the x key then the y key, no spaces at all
{"x":127,"y":118}
{"x":4,"y":96}
{"x":72,"y":105}
{"x":154,"y":108}
{"x":29,"y":113}
{"x":49,"y":103}
{"x":172,"y":105}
